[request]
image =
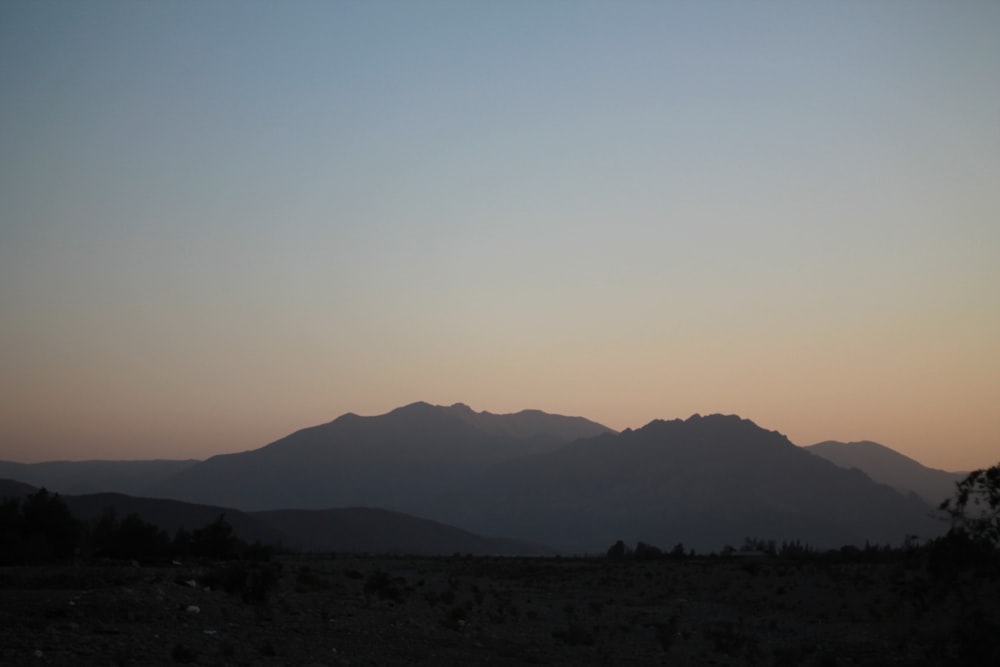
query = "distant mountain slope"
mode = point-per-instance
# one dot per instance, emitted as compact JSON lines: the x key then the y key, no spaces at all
{"x":704,"y":481}
{"x":348,"y":530}
{"x":384,"y":461}
{"x":131,"y":477}
{"x":370,"y":530}
{"x":169,"y":515}
{"x":10,"y":488}
{"x":887,"y":466}
{"x":173,"y":514}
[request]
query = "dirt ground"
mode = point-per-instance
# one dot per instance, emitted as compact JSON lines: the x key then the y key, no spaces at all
{"x":353,"y":610}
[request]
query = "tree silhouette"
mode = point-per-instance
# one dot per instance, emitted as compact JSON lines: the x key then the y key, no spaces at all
{"x":618,"y":550}
{"x":38,"y":529}
{"x":216,"y":540}
{"x":975,"y":509}
{"x":129,"y":539}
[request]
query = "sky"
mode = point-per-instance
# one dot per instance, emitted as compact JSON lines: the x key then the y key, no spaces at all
{"x":221,"y":222}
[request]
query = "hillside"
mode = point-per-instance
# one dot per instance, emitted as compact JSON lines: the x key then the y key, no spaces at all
{"x":370,"y":530}
{"x":346,"y":530}
{"x":388,"y":461}
{"x":704,"y":481}
{"x":887,"y":466}
{"x":131,"y":477}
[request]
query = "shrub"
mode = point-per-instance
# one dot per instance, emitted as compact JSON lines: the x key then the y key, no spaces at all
{"x":385,"y":587}
{"x":253,"y":582}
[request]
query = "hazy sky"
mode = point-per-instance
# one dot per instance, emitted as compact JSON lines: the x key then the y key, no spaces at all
{"x":224,"y":221}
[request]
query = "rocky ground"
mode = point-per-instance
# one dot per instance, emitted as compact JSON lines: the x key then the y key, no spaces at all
{"x":349,"y":610}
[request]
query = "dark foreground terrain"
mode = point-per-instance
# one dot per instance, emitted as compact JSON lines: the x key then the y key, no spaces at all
{"x":348,"y":610}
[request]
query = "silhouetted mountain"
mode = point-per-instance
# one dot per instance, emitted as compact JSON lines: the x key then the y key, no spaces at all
{"x":704,"y":481}
{"x":131,"y":477}
{"x":369,"y":530}
{"x":167,"y":514}
{"x":887,"y":466}
{"x":548,"y":479}
{"x":173,"y":514}
{"x":348,"y":530}
{"x":387,"y":461}
{"x":10,"y":488}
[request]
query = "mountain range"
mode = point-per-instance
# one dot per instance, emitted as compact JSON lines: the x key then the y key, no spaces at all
{"x":704,"y":481}
{"x":546,"y":479}
{"x":388,"y":461}
{"x":888,"y":466}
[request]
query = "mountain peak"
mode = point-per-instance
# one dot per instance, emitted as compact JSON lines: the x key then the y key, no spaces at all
{"x":716,"y":420}
{"x":416,"y":406}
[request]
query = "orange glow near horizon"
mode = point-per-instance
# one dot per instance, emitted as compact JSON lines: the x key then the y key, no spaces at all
{"x":782,"y":211}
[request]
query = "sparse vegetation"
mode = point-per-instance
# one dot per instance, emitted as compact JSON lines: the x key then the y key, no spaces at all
{"x":252,"y":581}
{"x":763,"y":603}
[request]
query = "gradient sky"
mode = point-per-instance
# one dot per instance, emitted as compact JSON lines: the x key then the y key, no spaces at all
{"x":221,"y":222}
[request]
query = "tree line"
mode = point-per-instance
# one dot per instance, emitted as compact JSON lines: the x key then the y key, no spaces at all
{"x":40,"y":528}
{"x":973,"y":536}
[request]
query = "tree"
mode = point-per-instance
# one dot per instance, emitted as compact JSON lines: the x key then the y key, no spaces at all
{"x":138,"y":540}
{"x":618,"y":550}
{"x":975,"y":509}
{"x":50,"y":529}
{"x":645,"y":551}
{"x":216,"y":540}
{"x":11,"y":532}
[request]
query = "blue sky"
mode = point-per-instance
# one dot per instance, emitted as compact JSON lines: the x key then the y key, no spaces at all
{"x":220,"y":222}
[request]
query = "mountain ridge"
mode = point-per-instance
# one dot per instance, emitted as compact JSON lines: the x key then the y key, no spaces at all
{"x":696,"y":481}
{"x":887,"y":466}
{"x":384,"y":460}
{"x":96,"y":475}
{"x":705,"y":481}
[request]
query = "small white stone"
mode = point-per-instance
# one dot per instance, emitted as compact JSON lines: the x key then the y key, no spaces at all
{"x":193,"y":609}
